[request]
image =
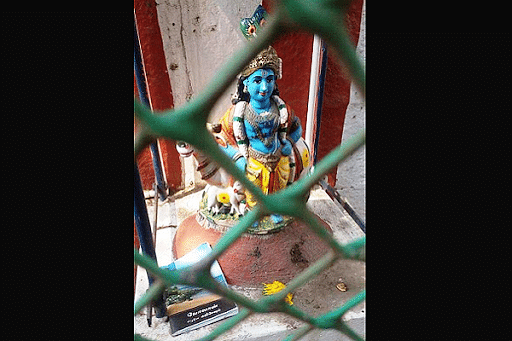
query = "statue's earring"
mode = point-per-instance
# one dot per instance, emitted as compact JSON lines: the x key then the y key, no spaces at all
{"x":245,"y":88}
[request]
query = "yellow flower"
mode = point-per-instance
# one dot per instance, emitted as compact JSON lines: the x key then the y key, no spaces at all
{"x":276,"y":286}
{"x":223,"y":198}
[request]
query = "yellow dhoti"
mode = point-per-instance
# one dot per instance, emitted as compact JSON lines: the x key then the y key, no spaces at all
{"x":267,"y":179}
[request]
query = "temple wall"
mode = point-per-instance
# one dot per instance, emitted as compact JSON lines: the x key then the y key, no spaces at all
{"x":198,"y":36}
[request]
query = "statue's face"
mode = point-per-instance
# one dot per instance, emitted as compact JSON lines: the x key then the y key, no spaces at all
{"x":260,"y":84}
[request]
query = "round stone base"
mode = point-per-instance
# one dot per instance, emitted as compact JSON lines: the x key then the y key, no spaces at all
{"x":256,"y":259}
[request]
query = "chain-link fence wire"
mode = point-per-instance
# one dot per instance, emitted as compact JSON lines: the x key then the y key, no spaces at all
{"x":188,"y":123}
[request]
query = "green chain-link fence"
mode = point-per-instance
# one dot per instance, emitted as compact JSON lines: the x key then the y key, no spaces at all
{"x":188,"y":123}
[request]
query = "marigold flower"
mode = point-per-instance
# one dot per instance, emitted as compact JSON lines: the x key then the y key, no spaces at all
{"x":276,"y":286}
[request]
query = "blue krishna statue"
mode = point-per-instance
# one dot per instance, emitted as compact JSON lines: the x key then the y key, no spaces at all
{"x":261,"y":134}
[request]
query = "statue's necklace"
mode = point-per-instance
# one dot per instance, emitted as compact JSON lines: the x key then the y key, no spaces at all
{"x":267,"y":118}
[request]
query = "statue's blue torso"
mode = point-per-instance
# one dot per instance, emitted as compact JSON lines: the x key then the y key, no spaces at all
{"x":261,"y":129}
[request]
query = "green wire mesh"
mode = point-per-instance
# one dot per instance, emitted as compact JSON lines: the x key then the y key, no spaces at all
{"x":188,"y":123}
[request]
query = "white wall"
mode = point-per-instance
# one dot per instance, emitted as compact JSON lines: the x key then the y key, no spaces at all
{"x":198,"y":37}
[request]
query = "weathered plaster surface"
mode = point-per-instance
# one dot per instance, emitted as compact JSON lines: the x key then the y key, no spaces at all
{"x":198,"y":37}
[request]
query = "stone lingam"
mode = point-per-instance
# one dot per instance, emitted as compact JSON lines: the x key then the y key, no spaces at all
{"x":263,"y":136}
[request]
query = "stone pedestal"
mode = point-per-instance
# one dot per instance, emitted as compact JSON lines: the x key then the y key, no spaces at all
{"x":256,"y":259}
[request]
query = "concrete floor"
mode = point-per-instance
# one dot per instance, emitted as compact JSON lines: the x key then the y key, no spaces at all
{"x":316,"y":297}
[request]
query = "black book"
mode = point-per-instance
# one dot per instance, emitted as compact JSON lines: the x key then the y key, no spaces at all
{"x":190,"y":308}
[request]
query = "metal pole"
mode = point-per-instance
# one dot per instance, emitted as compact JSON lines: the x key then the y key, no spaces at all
{"x":144,"y":232}
{"x":155,"y":224}
{"x":139,"y":205}
{"x":320,"y":97}
{"x":313,"y":87}
{"x":316,"y":94}
{"x":143,"y":95}
{"x":334,"y":195}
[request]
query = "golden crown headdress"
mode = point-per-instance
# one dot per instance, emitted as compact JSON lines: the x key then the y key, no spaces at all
{"x":267,"y":58}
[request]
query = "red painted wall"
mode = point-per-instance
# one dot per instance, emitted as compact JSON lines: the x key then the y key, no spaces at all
{"x":295,"y":50}
{"x":337,"y":92}
{"x":144,"y":161}
{"x":159,"y":93}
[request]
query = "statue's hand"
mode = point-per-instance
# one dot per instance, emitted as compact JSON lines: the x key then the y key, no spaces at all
{"x":286,"y":147}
